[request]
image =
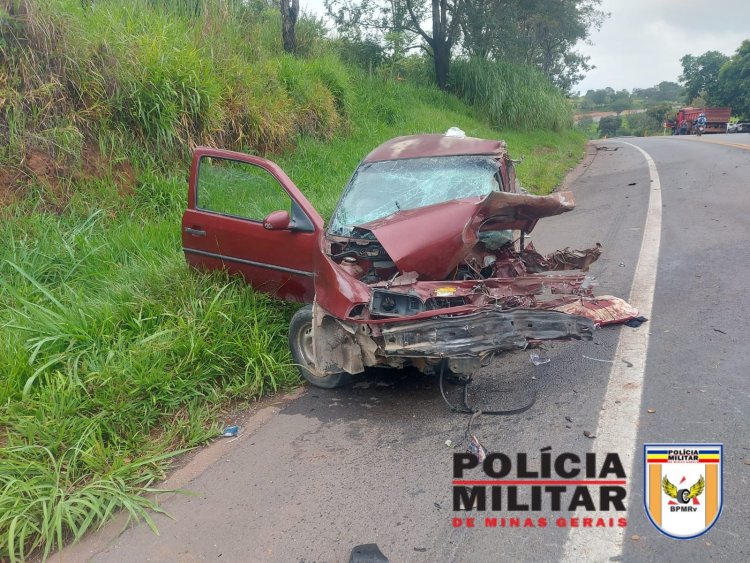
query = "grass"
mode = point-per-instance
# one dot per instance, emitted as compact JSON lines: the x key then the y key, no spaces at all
{"x":113,"y":354}
{"x":512,"y":96}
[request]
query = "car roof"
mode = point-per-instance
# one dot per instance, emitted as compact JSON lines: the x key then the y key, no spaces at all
{"x":420,"y":146}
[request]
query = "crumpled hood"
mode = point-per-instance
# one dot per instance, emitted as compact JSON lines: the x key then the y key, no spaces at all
{"x":434,"y":240}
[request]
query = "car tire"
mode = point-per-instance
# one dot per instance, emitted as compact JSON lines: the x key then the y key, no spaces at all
{"x":682,"y":496}
{"x":300,"y":344}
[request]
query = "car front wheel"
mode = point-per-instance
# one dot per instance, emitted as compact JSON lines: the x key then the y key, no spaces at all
{"x":301,"y":346}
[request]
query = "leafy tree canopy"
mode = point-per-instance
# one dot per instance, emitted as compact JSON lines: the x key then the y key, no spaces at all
{"x":609,"y":125}
{"x":734,"y":82}
{"x":700,"y":75}
{"x":540,"y":33}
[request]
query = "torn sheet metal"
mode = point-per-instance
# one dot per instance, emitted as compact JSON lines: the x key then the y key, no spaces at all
{"x":559,"y":260}
{"x":434,"y":240}
{"x":567,"y":259}
{"x":484,"y":331}
{"x":603,"y":310}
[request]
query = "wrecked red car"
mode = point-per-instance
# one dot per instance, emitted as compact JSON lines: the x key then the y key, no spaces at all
{"x":424,"y":261}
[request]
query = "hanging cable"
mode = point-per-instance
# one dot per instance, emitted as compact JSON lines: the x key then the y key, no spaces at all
{"x":468,"y":409}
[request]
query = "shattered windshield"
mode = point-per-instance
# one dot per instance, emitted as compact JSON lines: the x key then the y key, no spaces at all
{"x":379,"y":189}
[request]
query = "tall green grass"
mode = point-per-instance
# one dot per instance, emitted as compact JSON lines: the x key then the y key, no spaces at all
{"x":113,"y":352}
{"x":167,"y":75}
{"x":513,"y":96}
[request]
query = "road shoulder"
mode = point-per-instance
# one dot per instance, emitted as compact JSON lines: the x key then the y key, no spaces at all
{"x":179,"y":480}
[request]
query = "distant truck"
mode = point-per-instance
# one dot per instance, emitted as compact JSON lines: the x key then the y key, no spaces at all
{"x":716,"y":120}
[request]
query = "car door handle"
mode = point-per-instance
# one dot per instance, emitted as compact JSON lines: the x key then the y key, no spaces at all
{"x":195,"y":232}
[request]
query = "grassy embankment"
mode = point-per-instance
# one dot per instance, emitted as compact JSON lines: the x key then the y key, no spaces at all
{"x":111,"y":351}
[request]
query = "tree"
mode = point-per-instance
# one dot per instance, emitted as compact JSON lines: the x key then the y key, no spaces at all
{"x":609,"y":125}
{"x":665,"y":91}
{"x":446,"y":17}
{"x":542,"y":33}
{"x":643,"y":124}
{"x":289,"y":15}
{"x":353,"y":17}
{"x":700,"y":75}
{"x":621,"y":101}
{"x":734,"y":81}
{"x":479,"y":26}
{"x":600,"y":98}
{"x":668,"y":91}
{"x":659,"y":112}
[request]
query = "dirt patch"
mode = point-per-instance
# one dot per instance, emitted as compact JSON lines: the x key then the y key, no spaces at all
{"x":51,"y":174}
{"x":95,"y":165}
{"x":39,"y":164}
{"x":57,"y":177}
{"x":10,"y":186}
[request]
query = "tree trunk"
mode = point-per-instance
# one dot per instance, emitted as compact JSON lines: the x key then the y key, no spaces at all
{"x":442,"y":39}
{"x":442,"y":58}
{"x":289,"y":13}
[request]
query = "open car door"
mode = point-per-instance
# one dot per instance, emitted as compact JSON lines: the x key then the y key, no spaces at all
{"x":245,"y":216}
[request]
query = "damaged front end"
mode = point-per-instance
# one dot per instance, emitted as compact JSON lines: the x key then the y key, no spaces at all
{"x":452,"y":282}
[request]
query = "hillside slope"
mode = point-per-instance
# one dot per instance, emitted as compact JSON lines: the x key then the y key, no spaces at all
{"x":112,"y":352}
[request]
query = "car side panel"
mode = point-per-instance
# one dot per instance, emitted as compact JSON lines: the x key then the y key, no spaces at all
{"x":278,"y":262}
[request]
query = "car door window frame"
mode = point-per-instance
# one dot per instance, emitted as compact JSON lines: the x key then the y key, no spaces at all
{"x":282,"y":189}
{"x":305,"y":218}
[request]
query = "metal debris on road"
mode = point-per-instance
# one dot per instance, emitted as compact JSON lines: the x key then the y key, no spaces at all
{"x":538,"y":359}
{"x":477,"y":449}
{"x":651,"y":411}
{"x":598,"y":360}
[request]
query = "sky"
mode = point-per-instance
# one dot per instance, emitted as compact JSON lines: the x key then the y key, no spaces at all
{"x":642,"y":41}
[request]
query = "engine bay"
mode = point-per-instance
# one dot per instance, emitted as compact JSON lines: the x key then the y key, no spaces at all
{"x":498,"y":269}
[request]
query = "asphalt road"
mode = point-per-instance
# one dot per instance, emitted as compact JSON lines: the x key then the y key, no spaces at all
{"x":369,"y":464}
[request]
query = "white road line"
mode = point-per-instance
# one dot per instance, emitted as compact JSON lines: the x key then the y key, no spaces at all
{"x":618,"y":421}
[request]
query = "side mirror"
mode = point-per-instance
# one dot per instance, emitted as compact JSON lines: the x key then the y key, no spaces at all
{"x":277,"y":221}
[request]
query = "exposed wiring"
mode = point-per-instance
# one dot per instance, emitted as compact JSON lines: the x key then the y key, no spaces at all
{"x":468,"y":409}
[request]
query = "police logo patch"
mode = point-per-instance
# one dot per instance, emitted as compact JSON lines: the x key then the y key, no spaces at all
{"x":683,"y":487}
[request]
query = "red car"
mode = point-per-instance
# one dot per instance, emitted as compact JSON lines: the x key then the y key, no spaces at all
{"x":423,"y":262}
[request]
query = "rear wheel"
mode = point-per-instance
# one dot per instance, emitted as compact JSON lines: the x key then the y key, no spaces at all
{"x":301,"y":346}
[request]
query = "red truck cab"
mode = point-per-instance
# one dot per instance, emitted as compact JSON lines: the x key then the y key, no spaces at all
{"x":716,"y":119}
